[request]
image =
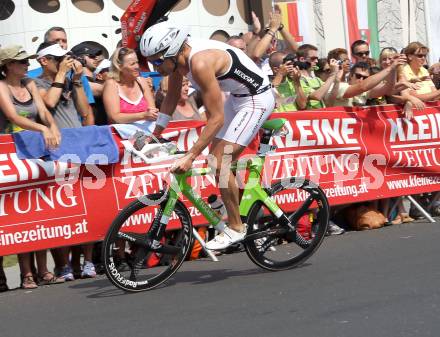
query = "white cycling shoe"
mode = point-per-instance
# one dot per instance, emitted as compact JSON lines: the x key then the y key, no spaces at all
{"x":225,"y":239}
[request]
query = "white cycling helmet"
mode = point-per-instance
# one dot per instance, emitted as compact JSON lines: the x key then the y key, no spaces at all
{"x":162,"y":37}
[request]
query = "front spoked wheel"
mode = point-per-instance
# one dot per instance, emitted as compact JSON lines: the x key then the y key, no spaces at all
{"x":132,"y":262}
{"x":275,"y":246}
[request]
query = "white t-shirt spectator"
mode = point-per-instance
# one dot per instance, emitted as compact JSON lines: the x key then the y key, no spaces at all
{"x":359,"y":100}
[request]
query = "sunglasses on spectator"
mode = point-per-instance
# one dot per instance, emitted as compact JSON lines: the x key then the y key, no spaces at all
{"x":420,"y":55}
{"x":314,"y":58}
{"x":360,"y":76}
{"x":362,"y":53}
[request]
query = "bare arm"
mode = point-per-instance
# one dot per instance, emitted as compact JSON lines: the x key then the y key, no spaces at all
{"x":301,"y":98}
{"x":44,"y":114}
{"x":331,"y":97}
{"x":204,"y":75}
{"x":387,"y":86}
{"x":8,"y":109}
{"x":369,"y":83}
{"x":292,"y":45}
{"x":320,"y":93}
{"x":51,"y":96}
{"x":82,"y":104}
{"x":110,"y":98}
{"x":432,"y":96}
{"x":264,"y":43}
{"x":97,"y":88}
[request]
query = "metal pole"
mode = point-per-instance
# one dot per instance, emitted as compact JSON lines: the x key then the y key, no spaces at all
{"x":202,"y":243}
{"x":420,"y":208}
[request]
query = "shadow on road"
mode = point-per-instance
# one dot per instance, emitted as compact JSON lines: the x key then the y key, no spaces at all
{"x":102,"y":288}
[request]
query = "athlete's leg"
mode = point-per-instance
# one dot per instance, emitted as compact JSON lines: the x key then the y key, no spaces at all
{"x":225,"y":154}
{"x":243,"y":119}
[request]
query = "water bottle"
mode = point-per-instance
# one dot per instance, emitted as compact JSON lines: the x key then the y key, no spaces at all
{"x":217,"y":205}
{"x":138,"y":140}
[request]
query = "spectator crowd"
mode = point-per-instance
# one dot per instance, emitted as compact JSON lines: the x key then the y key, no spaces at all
{"x":79,"y":87}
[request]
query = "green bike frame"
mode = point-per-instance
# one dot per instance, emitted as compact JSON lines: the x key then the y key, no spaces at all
{"x":252,"y":192}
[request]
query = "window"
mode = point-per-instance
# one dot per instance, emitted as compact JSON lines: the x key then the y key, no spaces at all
{"x":45,"y":7}
{"x":122,"y":4}
{"x":181,"y":5}
{"x":7,"y":7}
{"x":216,"y":7}
{"x":89,"y":6}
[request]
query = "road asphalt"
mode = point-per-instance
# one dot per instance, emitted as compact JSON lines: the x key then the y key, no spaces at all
{"x":374,"y":283}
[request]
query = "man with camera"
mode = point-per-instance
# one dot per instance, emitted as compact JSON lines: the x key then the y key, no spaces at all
{"x":286,"y":82}
{"x":64,"y":96}
{"x":314,"y":88}
{"x":62,"y":91}
{"x":88,"y":56}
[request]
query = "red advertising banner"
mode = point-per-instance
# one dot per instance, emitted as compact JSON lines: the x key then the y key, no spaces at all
{"x":353,"y":154}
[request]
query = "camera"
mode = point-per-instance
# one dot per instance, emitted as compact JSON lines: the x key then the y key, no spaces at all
{"x":80,"y":59}
{"x":294,"y":59}
{"x":289,"y":58}
{"x":302,"y":65}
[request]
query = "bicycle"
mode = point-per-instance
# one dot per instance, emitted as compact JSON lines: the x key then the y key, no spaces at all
{"x":149,"y":254}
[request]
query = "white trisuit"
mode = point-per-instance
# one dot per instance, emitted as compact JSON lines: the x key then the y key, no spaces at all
{"x":251,"y":99}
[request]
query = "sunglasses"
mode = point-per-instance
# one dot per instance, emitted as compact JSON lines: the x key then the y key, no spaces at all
{"x":157,"y":62}
{"x":360,"y":76}
{"x":362,"y":53}
{"x":420,"y":55}
{"x":314,"y":58}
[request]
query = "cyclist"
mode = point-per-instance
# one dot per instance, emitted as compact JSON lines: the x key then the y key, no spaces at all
{"x":212,"y":67}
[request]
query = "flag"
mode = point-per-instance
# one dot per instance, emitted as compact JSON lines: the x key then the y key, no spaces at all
{"x":296,"y":18}
{"x":362,"y":23}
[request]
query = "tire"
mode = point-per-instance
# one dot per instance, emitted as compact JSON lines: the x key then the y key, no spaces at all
{"x":137,"y":268}
{"x":286,"y":248}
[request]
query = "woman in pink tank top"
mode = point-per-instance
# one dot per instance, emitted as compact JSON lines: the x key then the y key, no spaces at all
{"x":127,"y":96}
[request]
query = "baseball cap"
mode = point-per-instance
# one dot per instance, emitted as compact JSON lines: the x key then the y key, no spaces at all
{"x":104,"y":64}
{"x":53,"y":50}
{"x":13,"y":52}
{"x":85,"y":48}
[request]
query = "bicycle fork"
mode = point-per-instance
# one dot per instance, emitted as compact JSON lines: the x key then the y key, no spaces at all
{"x":152,"y":240}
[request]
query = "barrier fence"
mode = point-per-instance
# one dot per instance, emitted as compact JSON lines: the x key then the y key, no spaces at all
{"x":354,"y":154}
